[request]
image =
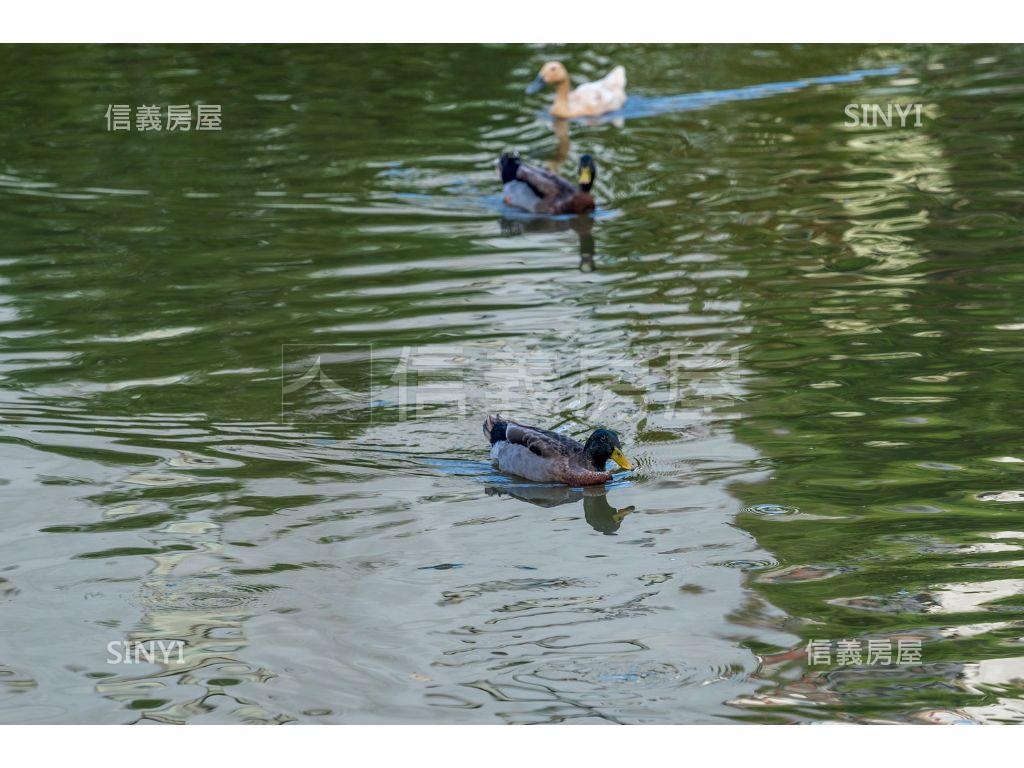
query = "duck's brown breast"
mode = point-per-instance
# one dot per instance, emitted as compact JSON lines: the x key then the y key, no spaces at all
{"x":577,"y":477}
{"x":580,"y":202}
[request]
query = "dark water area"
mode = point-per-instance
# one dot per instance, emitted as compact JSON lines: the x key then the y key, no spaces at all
{"x":242,"y":375}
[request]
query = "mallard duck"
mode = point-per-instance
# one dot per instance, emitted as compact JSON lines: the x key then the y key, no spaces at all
{"x":587,"y":100}
{"x":548,"y":457}
{"x":539,"y":191}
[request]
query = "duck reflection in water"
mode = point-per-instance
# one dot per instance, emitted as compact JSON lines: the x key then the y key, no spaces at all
{"x":583,"y":226}
{"x":562,"y":145}
{"x":600,"y":515}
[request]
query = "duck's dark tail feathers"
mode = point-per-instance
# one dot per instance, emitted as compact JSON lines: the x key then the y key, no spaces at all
{"x":509,"y":164}
{"x":494,"y":428}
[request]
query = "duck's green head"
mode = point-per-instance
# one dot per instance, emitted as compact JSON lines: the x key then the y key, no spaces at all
{"x":602,"y":445}
{"x":587,"y":174}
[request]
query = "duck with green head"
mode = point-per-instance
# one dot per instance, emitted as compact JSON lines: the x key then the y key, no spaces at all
{"x":539,"y":191}
{"x":549,"y":457}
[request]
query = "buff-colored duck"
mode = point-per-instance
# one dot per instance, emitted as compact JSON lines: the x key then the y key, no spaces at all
{"x":540,"y":191}
{"x":587,"y":100}
{"x":548,"y":457}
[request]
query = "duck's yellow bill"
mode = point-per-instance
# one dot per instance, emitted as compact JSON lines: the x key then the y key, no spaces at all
{"x":585,"y":177}
{"x":620,"y":458}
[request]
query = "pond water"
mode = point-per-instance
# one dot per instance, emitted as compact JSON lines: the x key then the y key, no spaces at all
{"x":242,"y":375}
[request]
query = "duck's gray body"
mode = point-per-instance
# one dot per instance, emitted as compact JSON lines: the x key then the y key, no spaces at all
{"x":519,"y":460}
{"x":519,"y":194}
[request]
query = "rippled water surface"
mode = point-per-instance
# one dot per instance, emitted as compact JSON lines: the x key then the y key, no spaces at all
{"x":808,"y":335}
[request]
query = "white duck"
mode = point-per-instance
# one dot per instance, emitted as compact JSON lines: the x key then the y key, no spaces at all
{"x":605,"y":95}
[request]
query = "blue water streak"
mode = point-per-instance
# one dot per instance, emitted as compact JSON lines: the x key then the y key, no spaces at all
{"x":648,"y":106}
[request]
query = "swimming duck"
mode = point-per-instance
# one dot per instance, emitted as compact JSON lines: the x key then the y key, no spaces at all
{"x":539,"y":191}
{"x":587,"y":100}
{"x":548,"y":457}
